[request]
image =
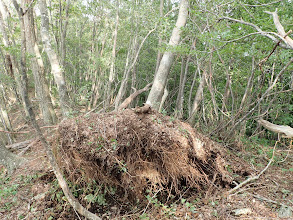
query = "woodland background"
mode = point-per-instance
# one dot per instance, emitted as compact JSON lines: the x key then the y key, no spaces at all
{"x":231,"y":66}
{"x":109,"y":49}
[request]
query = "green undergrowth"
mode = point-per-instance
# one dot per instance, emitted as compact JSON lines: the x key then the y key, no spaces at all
{"x":258,"y":151}
{"x":10,"y":186}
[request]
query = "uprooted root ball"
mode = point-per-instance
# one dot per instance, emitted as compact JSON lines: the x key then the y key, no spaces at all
{"x":139,"y":152}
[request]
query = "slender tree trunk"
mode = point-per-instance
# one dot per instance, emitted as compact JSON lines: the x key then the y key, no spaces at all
{"x":55,"y":65}
{"x":12,"y":62}
{"x":62,"y":182}
{"x":7,"y":63}
{"x":112,"y":67}
{"x":63,"y":31}
{"x":197,"y":99}
{"x":180,"y":97}
{"x":245,"y":102}
{"x":98,"y":90}
{"x":122,"y":88}
{"x":192,"y":85}
{"x":211,"y":88}
{"x":4,"y":116}
{"x":125,"y":79}
{"x":164,"y":97}
{"x":248,"y":87}
{"x":41,"y":85}
{"x":156,"y":93}
{"x":159,"y":56}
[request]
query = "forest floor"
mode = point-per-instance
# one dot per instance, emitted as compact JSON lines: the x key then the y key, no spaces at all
{"x":33,"y":193}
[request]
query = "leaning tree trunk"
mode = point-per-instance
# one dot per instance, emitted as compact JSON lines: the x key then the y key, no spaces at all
{"x":161,"y":76}
{"x":197,"y":99}
{"x":108,"y":94}
{"x":41,"y":86}
{"x":55,"y":65}
{"x":122,"y":88}
{"x":10,"y":160}
{"x":24,"y":93}
{"x":4,"y":118}
{"x":63,"y":30}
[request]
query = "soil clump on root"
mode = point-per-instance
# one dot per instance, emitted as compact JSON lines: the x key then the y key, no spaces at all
{"x":137,"y":152}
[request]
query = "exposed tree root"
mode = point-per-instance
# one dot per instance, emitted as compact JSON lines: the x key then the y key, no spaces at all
{"x":139,"y":151}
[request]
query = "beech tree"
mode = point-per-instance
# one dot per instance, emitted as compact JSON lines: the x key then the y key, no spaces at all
{"x":156,"y":93}
{"x":38,"y":69}
{"x":55,"y":64}
{"x":27,"y":104}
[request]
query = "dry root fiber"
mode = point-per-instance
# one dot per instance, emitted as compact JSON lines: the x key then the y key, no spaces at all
{"x":135,"y":151}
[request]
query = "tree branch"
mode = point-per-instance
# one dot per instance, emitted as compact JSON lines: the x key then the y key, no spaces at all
{"x":285,"y":130}
{"x":253,"y":178}
{"x":261,"y":5}
{"x":127,"y":101}
{"x":261,"y":32}
{"x":281,"y":29}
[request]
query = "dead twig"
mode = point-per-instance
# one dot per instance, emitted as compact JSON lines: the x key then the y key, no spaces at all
{"x":275,"y":47}
{"x":27,"y":147}
{"x":25,"y":132}
{"x":269,"y":200}
{"x":127,"y":101}
{"x":19,"y":145}
{"x":253,"y":178}
{"x":283,"y":130}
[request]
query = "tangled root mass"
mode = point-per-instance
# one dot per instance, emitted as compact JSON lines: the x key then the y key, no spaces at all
{"x":138,"y":152}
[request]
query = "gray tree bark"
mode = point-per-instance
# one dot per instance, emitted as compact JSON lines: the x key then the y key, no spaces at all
{"x":55,"y":65}
{"x":24,"y":93}
{"x":4,"y":118}
{"x":10,"y":160}
{"x":41,"y":85}
{"x":63,"y":30}
{"x":108,"y":94}
{"x":159,"y":56}
{"x":156,"y":93}
{"x":197,"y":99}
{"x":180,"y":96}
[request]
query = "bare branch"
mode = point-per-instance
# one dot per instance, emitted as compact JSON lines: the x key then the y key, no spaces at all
{"x":275,"y":47}
{"x":240,"y":38}
{"x":253,"y":178}
{"x":284,"y":130}
{"x":127,"y":101}
{"x":261,"y":5}
{"x":19,"y":145}
{"x":261,"y":32}
{"x":281,"y":29}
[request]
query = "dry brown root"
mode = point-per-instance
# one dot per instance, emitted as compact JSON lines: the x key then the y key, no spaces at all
{"x":139,"y":151}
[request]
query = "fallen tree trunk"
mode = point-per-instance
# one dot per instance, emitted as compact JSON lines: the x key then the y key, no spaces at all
{"x":285,"y":130}
{"x":19,"y":145}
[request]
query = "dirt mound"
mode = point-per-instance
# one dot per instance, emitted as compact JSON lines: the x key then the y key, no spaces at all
{"x":136,"y":152}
